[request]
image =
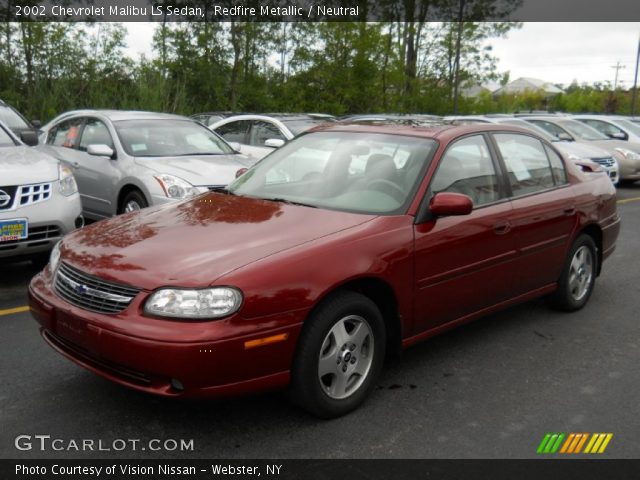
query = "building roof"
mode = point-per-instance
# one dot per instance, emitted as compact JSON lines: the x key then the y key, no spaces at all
{"x":523,"y":84}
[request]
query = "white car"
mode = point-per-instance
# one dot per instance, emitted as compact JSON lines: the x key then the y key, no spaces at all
{"x":39,"y":200}
{"x":618,"y":128}
{"x":258,"y":135}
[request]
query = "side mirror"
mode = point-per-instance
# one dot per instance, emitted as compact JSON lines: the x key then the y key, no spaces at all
{"x":445,"y":204}
{"x":37,"y":124}
{"x":241,"y":172}
{"x":565,"y":137}
{"x":29,"y":137}
{"x":619,"y":136}
{"x":589,"y":166}
{"x":100,"y":150}
{"x":274,"y":142}
{"x":235,"y":146}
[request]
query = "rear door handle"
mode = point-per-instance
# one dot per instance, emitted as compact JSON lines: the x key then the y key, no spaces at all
{"x":569,"y":211}
{"x":502,"y":228}
{"x":75,"y":165}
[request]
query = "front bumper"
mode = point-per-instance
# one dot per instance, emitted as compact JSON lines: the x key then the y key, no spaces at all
{"x":49,"y":221}
{"x":163,"y":356}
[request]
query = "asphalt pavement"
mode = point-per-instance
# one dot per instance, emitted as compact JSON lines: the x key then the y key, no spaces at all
{"x":491,"y":389}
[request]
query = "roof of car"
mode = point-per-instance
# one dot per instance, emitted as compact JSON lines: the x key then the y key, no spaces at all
{"x":437,"y":131}
{"x":117,"y":115}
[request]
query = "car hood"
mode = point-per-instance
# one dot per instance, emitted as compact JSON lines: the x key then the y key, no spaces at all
{"x":24,"y":165}
{"x":192,"y":243}
{"x":582,"y":150}
{"x":198,"y":170}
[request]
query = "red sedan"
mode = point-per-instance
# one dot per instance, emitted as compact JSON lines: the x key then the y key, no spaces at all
{"x":346,"y":244}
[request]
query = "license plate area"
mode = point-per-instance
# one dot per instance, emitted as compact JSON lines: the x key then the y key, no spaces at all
{"x":14,"y":229}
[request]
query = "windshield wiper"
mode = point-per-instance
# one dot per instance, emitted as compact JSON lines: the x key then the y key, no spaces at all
{"x":221,"y":189}
{"x":194,"y":154}
{"x":290,"y":202}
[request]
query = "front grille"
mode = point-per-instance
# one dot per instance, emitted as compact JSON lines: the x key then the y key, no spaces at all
{"x":24,"y":195}
{"x":91,"y":293}
{"x":37,"y":236}
{"x":605,"y":161}
{"x":30,"y":194}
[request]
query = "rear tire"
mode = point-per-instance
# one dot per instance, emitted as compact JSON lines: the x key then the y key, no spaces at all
{"x":578,"y":276}
{"x":339,"y":355}
{"x":133,"y":201}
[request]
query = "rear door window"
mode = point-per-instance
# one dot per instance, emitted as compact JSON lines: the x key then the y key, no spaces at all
{"x":528,"y":167}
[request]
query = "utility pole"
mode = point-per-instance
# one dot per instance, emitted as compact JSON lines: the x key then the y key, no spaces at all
{"x":635,"y":82}
{"x":617,"y":66}
{"x":612,"y":104}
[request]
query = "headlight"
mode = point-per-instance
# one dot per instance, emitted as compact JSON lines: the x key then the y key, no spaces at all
{"x":68,"y":185}
{"x":628,"y":154}
{"x":199,"y":304}
{"x":54,"y":259}
{"x":175,"y":187}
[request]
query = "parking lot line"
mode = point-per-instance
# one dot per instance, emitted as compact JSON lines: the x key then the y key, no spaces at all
{"x":628,"y":200}
{"x":9,"y":311}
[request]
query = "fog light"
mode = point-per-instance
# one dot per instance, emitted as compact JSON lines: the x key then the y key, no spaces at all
{"x":177,"y":384}
{"x":79,"y":221}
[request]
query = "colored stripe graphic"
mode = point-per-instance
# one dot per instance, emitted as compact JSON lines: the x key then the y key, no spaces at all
{"x":550,"y":443}
{"x":574,"y":443}
{"x":598,"y":443}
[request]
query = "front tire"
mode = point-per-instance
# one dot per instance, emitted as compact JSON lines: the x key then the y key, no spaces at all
{"x":133,"y":201}
{"x":339,"y":355}
{"x":578,"y":276}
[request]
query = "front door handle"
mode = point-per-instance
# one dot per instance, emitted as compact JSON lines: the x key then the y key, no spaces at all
{"x":75,"y":165}
{"x":569,"y":211}
{"x":502,"y":228}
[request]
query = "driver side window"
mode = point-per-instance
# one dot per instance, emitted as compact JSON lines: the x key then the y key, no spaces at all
{"x":467,"y":168}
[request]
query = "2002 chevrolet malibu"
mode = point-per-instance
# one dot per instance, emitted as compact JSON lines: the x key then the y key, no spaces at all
{"x":346,"y":244}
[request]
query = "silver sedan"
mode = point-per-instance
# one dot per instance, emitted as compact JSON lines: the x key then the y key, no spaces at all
{"x":124,"y":161}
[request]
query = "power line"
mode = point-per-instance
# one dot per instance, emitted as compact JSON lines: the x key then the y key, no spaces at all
{"x":617,"y":66}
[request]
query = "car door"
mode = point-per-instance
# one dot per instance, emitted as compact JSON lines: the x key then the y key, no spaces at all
{"x":99,"y":174}
{"x":464,"y":264}
{"x":543,"y":215}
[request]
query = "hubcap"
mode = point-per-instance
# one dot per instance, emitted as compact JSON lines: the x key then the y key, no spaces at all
{"x":581,"y":273}
{"x":345,"y":357}
{"x":131,"y":206}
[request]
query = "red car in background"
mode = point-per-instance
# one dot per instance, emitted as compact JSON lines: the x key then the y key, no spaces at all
{"x":346,"y":244}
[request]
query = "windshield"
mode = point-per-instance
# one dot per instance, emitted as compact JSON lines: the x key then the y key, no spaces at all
{"x":581,"y":130}
{"x":169,"y":138}
{"x":5,"y":139}
{"x":299,"y":126}
{"x":11,"y":119}
{"x":357,"y":172}
{"x":632,"y":127}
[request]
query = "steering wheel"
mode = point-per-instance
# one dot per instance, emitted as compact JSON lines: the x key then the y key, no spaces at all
{"x":388,"y":187}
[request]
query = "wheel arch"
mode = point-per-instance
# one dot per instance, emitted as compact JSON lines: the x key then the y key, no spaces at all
{"x":382,"y":294}
{"x":595,"y":232}
{"x":126,"y":189}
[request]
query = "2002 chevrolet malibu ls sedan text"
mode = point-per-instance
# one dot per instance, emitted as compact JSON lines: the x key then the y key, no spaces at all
{"x":346,"y":244}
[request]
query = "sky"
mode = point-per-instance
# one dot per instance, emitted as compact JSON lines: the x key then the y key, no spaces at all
{"x":555,"y":52}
